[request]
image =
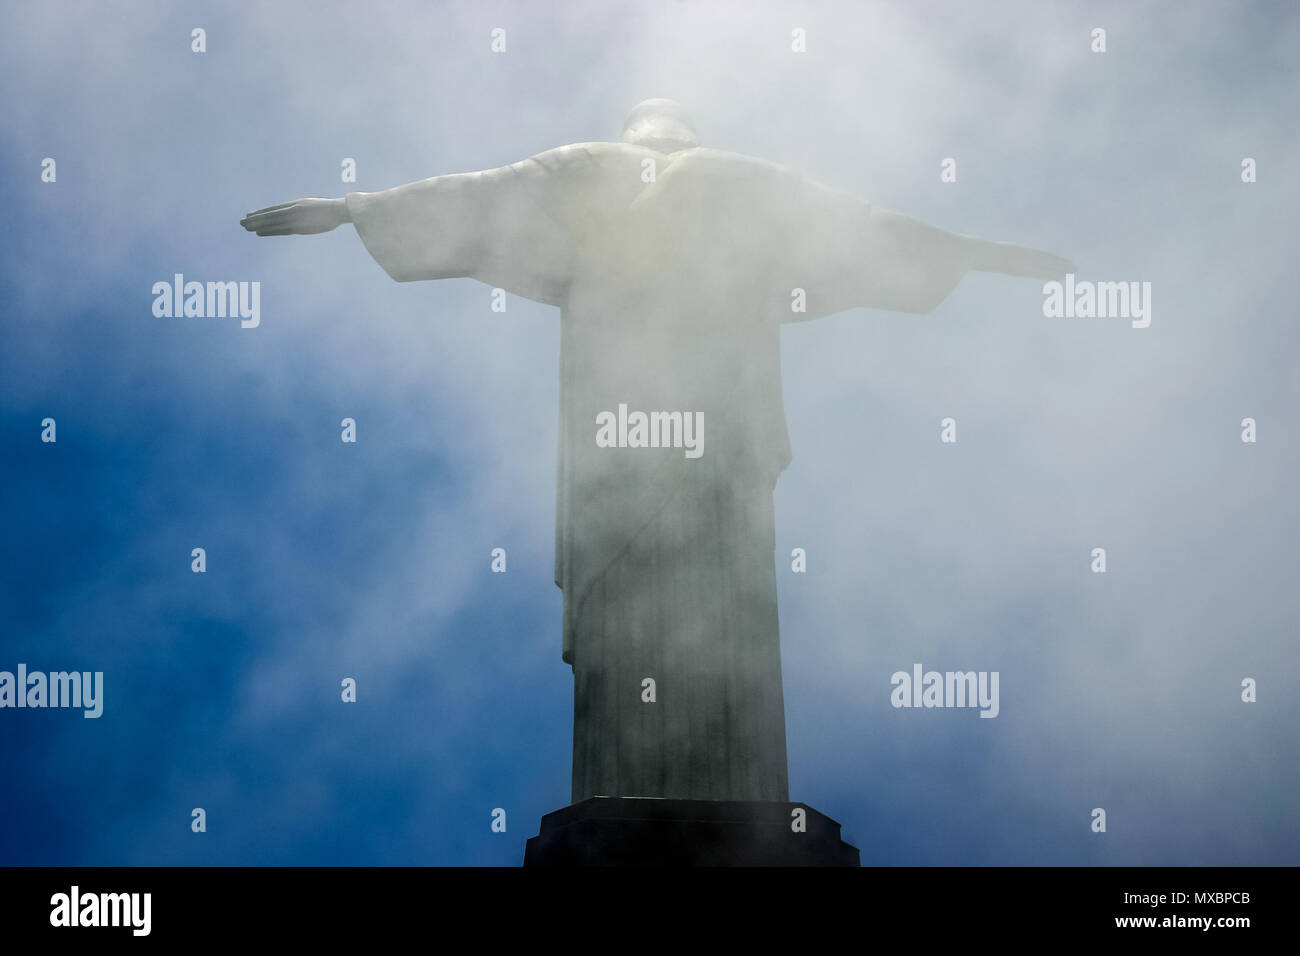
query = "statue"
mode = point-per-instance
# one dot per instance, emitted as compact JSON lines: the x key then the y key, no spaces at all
{"x":673,"y":266}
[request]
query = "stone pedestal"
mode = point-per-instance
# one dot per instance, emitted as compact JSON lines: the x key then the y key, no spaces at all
{"x":646,"y":831}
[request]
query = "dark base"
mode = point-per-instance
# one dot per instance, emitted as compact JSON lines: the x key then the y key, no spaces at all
{"x":646,"y":831}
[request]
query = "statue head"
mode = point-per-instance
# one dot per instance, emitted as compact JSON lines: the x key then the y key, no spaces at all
{"x":662,"y":125}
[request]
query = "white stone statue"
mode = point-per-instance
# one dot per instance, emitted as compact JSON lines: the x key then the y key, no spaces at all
{"x":673,"y":266}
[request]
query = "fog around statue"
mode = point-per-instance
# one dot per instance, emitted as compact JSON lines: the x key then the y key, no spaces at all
{"x":674,"y":266}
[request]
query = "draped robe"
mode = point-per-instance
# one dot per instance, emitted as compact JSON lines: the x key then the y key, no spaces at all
{"x":672,"y":289}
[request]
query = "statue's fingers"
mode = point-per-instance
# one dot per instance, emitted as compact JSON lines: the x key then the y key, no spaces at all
{"x":278,"y":231}
{"x":258,"y":221}
{"x":282,"y":205}
{"x":262,"y":215}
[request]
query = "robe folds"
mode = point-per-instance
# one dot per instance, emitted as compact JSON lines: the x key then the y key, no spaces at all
{"x":672,"y":292}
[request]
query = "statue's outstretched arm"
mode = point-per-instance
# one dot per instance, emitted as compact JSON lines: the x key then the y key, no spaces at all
{"x":483,"y":225}
{"x":517,"y":227}
{"x":786,"y":232}
{"x":860,"y":255}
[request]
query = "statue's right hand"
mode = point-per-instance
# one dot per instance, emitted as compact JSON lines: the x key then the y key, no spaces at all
{"x":301,"y":217}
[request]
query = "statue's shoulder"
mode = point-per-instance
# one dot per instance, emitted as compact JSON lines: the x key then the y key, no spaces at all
{"x":718,"y":168}
{"x":697,"y":162}
{"x":723,"y":184}
{"x":706,"y":157}
{"x":595,"y":156}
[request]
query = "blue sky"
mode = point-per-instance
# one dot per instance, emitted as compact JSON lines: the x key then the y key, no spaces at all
{"x":370,"y":560}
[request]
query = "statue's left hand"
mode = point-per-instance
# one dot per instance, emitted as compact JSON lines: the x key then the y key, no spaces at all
{"x":302,"y":217}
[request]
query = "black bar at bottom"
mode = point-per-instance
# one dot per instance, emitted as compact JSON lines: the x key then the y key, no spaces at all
{"x":334,"y":904}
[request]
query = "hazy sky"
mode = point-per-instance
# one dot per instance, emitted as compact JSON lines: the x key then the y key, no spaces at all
{"x":328,"y":560}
